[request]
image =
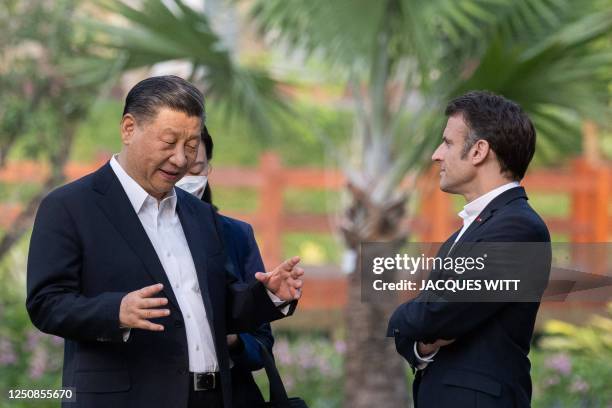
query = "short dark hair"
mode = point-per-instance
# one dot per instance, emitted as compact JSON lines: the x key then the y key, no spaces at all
{"x":502,"y":123}
{"x":169,"y":91}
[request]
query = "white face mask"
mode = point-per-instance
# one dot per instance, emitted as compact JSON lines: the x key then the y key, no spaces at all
{"x":193,"y":184}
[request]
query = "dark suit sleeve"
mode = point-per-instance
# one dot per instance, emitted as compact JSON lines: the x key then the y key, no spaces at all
{"x":426,"y":319}
{"x":250,"y":355}
{"x":54,"y":301}
{"x":249,"y":306}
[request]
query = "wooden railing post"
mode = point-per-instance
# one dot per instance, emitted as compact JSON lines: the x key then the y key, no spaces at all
{"x":590,"y":216}
{"x":580,"y":203}
{"x":270,"y":212}
{"x":599,"y":255}
{"x":600,"y":205}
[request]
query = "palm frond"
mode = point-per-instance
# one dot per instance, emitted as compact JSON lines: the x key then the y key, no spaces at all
{"x":157,"y":32}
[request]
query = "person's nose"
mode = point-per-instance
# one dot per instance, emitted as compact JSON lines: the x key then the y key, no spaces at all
{"x":437,"y":154}
{"x":179,"y":158}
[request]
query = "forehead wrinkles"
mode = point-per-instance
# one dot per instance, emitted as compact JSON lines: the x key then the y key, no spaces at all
{"x":187,"y":132}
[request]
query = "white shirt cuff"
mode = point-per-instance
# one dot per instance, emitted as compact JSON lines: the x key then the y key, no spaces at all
{"x":277,"y":302}
{"x":126,"y":334}
{"x":423,"y":361}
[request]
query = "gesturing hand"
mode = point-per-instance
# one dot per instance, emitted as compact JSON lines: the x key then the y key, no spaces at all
{"x":284,"y":280}
{"x":138,"y":307}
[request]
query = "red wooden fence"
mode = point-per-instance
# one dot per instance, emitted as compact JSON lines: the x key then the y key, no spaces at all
{"x":587,"y":186}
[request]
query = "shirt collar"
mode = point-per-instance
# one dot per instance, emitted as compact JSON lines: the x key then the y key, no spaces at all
{"x":136,"y":194}
{"x":475,"y":207}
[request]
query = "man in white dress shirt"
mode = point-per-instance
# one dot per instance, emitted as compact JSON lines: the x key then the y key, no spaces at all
{"x":130,"y":271}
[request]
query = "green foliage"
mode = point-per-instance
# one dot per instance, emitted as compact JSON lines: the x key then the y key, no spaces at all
{"x":311,"y":368}
{"x":29,"y":359}
{"x":99,"y":132}
{"x":161,"y":31}
{"x":298,"y":142}
{"x":594,"y":338}
{"x":40,"y":103}
{"x":17,"y":193}
{"x":313,"y":248}
{"x":551,"y":56}
{"x":235,"y":199}
{"x":573,"y":369}
{"x":550,"y":205}
{"x":311,"y":201}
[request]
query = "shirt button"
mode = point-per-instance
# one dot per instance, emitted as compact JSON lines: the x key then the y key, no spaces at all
{"x":176,"y":285}
{"x":168,"y":254}
{"x":188,"y":316}
{"x":198,"y":348}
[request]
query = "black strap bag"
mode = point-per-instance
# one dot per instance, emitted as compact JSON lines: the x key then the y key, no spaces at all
{"x":278,"y":394}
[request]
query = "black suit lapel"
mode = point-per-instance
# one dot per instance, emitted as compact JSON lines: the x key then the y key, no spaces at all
{"x":116,"y":205}
{"x":448,"y":245}
{"x":470,"y":236}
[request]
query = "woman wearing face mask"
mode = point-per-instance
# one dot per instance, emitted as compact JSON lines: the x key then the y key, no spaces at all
{"x":243,"y":253}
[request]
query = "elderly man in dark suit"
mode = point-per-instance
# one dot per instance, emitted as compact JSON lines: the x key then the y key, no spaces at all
{"x":130,"y":271}
{"x":474,"y":354}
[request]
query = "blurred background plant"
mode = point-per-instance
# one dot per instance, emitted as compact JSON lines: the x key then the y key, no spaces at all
{"x":573,"y":367}
{"x":311,"y":367}
{"x":29,"y":359}
{"x":41,"y":101}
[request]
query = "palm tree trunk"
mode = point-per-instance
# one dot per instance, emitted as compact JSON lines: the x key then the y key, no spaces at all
{"x":375,"y":375}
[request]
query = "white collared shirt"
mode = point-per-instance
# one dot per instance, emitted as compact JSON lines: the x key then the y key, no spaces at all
{"x":164,"y":229}
{"x":472,"y":209}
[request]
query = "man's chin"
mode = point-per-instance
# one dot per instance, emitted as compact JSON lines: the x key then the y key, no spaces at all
{"x":447,"y":188}
{"x":160,"y":189}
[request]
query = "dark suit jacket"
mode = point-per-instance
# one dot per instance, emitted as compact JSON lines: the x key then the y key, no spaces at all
{"x":88,"y":250}
{"x":487,"y":365}
{"x":245,"y":260}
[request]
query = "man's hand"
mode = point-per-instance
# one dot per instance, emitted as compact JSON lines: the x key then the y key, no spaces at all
{"x":138,"y":307}
{"x":427,"y":349}
{"x":233,"y":341}
{"x":284,"y":281}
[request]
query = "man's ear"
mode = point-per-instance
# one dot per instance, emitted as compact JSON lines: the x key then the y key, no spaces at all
{"x":128,"y":126}
{"x":480,"y":151}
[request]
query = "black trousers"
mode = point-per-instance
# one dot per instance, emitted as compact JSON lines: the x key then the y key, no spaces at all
{"x":205,"y":399}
